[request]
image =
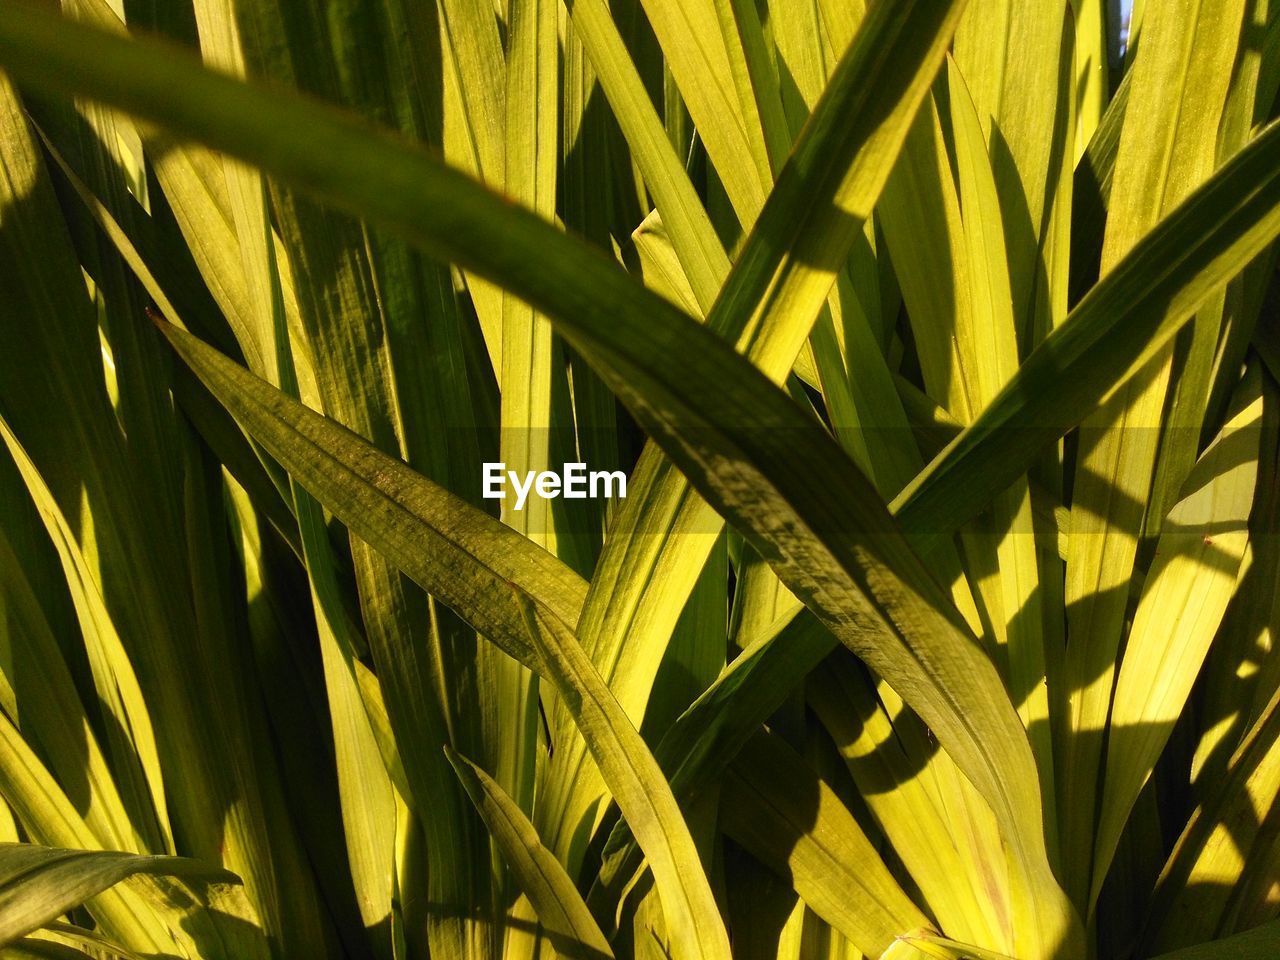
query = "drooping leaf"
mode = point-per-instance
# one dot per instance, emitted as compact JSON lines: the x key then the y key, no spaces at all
{"x":39,"y":884}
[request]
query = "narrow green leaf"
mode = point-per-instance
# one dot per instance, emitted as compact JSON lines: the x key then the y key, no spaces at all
{"x":831,"y":181}
{"x":530,"y":372}
{"x":767,"y":306}
{"x":700,"y":43}
{"x":708,"y":735}
{"x":39,"y":884}
{"x":1184,"y":597}
{"x":569,"y":924}
{"x":1220,"y":875}
{"x":1015,"y":58}
{"x":469,"y":30}
{"x":1091,"y":70}
{"x":486,"y":572}
{"x":469,"y":560}
{"x":693,"y":238}
{"x":365,"y":788}
{"x":657,"y":360}
{"x":141,"y":822}
{"x":636,"y":782}
{"x":919,"y":800}
{"x":1019,"y":606}
{"x":776,"y":807}
{"x":1120,"y":324}
{"x":1167,"y":148}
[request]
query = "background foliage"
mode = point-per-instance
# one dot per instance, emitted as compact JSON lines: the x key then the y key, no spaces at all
{"x":938,"y":340}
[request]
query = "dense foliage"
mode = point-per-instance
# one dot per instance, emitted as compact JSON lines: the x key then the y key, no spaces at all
{"x":937,"y":343}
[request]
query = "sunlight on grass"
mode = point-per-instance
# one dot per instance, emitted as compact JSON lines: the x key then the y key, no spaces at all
{"x":933,"y":341}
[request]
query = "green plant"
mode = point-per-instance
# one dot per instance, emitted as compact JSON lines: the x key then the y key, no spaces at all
{"x":940,"y":353}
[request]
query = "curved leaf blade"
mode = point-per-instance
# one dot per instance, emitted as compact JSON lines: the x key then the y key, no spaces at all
{"x":39,"y":884}
{"x":1121,"y":323}
{"x":509,"y":589}
{"x":569,"y":924}
{"x":747,"y":448}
